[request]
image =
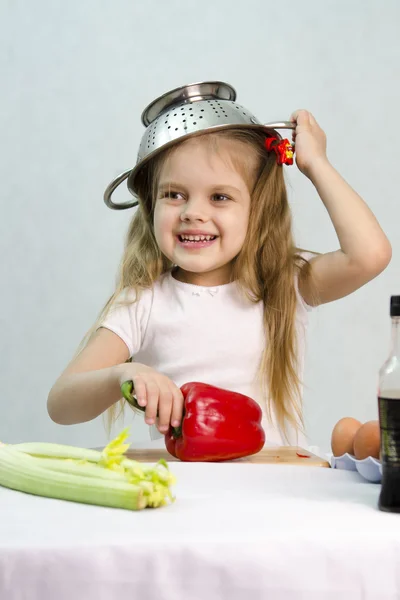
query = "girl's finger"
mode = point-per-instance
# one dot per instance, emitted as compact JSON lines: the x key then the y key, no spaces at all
{"x":312,"y":119}
{"x":294,"y":116}
{"x":300,"y":117}
{"x":153,"y":392}
{"x":140,"y":390}
{"x":177,"y":407}
{"x":164,"y":409}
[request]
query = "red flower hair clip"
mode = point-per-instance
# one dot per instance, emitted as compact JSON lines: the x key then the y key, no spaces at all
{"x":283,"y":149}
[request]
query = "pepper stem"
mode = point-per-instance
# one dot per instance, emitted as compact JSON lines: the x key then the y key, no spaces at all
{"x":127,"y":389}
{"x":177,"y":431}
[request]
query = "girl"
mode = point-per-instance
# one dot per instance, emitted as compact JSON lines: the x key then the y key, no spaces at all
{"x":212,"y":287}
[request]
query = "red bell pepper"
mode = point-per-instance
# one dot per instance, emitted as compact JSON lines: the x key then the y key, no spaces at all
{"x":217,"y":425}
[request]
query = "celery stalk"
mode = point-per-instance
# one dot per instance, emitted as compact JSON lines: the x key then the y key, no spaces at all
{"x":24,"y":473}
{"x":48,"y":450}
{"x":106,"y":478}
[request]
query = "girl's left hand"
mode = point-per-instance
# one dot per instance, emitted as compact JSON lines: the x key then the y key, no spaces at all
{"x":309,"y":140}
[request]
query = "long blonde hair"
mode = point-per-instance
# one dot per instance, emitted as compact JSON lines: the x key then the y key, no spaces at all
{"x":265,"y":268}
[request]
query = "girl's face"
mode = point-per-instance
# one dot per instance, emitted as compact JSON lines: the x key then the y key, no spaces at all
{"x":200,"y":194}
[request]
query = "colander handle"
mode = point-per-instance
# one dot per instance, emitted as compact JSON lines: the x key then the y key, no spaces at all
{"x":111,"y":189}
{"x":281,"y":125}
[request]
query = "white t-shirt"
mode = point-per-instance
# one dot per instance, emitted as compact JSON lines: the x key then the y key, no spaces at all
{"x":207,"y":334}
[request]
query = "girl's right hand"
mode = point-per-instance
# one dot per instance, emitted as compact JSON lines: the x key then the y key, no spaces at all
{"x":157,"y":393}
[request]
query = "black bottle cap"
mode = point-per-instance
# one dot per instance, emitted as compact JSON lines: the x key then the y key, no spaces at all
{"x":395,"y":306}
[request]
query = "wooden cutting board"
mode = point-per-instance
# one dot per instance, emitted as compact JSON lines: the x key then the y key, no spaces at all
{"x":279,"y":455}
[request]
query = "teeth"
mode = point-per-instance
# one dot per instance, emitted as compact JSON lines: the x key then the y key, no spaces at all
{"x":198,"y":238}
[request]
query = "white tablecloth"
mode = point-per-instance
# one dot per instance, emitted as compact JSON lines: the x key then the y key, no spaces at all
{"x":236,"y":531}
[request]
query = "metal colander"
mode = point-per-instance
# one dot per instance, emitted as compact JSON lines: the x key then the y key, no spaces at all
{"x":182,"y":113}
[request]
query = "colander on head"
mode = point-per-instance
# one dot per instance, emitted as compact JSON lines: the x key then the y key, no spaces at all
{"x":183,"y":113}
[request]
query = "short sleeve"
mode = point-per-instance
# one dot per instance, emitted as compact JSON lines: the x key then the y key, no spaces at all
{"x":127,"y":317}
{"x":306,"y":308}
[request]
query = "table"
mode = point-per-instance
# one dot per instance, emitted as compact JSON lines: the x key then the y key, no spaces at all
{"x":236,"y":531}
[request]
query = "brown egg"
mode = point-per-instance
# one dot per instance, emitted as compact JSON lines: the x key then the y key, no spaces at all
{"x":367,"y":441}
{"x":343,"y":435}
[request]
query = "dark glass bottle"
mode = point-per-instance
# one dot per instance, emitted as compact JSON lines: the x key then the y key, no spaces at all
{"x":389,"y":417}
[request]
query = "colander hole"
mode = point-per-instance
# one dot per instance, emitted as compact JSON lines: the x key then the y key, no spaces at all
{"x":169,"y":126}
{"x":176,"y":129}
{"x":200,"y":117}
{"x":184,"y":120}
{"x":202,"y":110}
{"x":174,"y":114}
{"x":194,"y":122}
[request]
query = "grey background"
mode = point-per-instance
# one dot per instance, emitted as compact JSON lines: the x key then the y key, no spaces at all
{"x":75,"y":78}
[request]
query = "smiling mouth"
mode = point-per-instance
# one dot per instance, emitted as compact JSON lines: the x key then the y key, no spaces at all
{"x":196,"y":239}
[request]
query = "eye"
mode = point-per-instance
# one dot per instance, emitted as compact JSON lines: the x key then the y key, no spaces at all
{"x":170,"y":194}
{"x":220,"y":197}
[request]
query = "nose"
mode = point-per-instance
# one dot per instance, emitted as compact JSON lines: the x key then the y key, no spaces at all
{"x":195,"y":209}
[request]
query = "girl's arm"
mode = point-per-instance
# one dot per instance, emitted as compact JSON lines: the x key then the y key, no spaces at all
{"x":91,"y":382}
{"x":365,"y":251}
